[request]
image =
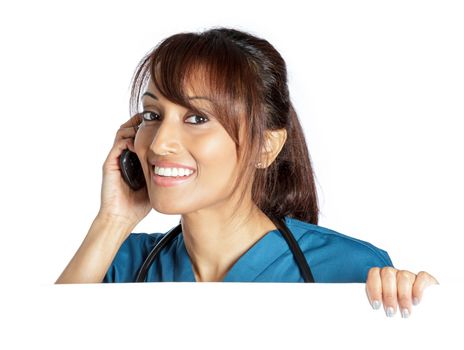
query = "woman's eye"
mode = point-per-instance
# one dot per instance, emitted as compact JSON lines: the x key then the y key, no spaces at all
{"x":199,"y":119}
{"x":150,"y":116}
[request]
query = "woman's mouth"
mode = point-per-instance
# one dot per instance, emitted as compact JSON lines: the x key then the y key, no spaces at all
{"x":167,"y":177}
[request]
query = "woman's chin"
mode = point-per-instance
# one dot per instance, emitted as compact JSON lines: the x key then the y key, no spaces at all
{"x":168,"y":212}
{"x":166,"y":208}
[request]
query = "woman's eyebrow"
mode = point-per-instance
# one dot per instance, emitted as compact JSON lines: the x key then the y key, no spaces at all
{"x":150,"y":94}
{"x":147,"y":93}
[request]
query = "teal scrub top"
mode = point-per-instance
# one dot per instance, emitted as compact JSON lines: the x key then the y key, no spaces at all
{"x":332,"y":257}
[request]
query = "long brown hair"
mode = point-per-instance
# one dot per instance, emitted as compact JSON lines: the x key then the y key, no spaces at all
{"x":246,"y":78}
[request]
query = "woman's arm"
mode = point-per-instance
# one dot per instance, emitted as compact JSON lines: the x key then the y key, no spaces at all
{"x":97,"y":251}
{"x":121,"y":209}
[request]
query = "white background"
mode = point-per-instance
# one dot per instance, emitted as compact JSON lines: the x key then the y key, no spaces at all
{"x":378,"y":86}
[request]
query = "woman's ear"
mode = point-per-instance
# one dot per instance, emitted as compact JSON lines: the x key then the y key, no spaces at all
{"x":275,"y":140}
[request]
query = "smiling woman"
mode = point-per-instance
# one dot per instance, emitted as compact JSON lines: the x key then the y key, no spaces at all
{"x":240,"y":83}
{"x":219,"y":143}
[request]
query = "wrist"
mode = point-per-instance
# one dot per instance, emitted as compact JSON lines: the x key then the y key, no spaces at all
{"x":113,"y":226}
{"x":115,"y":220}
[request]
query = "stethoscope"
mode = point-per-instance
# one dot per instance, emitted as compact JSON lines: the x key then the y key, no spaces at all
{"x":279,"y":223}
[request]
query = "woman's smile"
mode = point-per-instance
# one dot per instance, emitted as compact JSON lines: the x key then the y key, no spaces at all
{"x":168,"y":174}
{"x":167,"y":177}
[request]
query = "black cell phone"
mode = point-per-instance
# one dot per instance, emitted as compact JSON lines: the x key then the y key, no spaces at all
{"x":131,"y":170}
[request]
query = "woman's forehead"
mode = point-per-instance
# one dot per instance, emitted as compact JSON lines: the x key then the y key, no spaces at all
{"x":151,"y":88}
{"x":192,"y":76}
{"x":192,"y":91}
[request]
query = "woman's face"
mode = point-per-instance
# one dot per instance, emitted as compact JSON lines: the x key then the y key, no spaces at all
{"x":172,"y":133}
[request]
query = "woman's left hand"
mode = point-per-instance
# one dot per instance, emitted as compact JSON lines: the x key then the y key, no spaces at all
{"x":394,"y":287}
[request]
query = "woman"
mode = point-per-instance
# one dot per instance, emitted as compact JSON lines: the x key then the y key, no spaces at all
{"x":220,"y":144}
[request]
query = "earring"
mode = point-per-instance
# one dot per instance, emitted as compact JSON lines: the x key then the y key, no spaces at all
{"x":259,"y":165}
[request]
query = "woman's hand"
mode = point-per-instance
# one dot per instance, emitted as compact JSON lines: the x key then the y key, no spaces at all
{"x":394,"y":287}
{"x":118,"y":201}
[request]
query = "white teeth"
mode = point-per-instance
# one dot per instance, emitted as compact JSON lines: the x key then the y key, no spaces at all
{"x":172,"y":171}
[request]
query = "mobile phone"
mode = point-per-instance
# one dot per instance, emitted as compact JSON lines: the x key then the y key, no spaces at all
{"x":131,"y":170}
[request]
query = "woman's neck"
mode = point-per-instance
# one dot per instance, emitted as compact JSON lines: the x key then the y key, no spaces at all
{"x":215,"y":239}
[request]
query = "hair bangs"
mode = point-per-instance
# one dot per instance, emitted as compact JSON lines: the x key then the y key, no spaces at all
{"x":195,"y":65}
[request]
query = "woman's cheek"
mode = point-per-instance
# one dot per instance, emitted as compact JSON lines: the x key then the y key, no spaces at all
{"x":216,"y":159}
{"x":137,"y":140}
{"x":141,"y":145}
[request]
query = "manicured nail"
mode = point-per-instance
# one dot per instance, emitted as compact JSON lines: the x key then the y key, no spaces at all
{"x":405,"y":313}
{"x":376,"y":304}
{"x":415,"y":301}
{"x":390,"y":312}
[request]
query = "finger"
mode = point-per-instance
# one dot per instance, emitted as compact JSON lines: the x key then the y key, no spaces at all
{"x":423,"y":280}
{"x":125,"y":133}
{"x":374,"y":288}
{"x":111,"y":161}
{"x":130,"y":145}
{"x":405,"y":280}
{"x":389,"y":290}
{"x":134,"y":121}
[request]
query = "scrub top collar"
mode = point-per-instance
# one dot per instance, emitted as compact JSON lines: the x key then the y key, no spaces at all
{"x":248,"y":267}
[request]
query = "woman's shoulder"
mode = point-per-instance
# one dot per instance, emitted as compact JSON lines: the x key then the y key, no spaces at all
{"x":337,"y":251}
{"x":130,"y":256}
{"x":142,"y":239}
{"x":138,"y":245}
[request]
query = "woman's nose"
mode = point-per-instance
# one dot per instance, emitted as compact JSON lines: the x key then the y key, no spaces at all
{"x":167,"y":138}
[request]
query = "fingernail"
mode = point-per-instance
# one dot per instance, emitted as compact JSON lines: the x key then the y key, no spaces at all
{"x":415,"y":301}
{"x":405,"y":313}
{"x":390,"y":312}
{"x":376,"y":304}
